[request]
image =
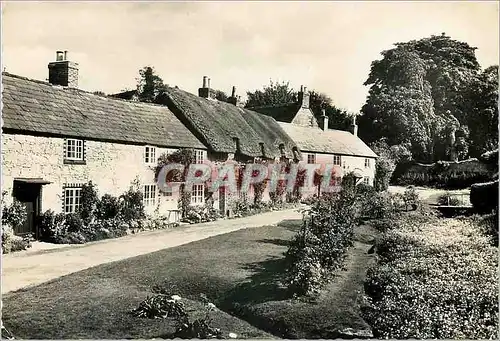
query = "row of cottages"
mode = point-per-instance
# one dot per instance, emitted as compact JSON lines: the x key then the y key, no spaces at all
{"x":321,"y":144}
{"x":56,"y":137}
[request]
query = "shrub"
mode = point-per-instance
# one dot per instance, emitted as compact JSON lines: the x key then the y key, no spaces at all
{"x":132,"y":207}
{"x":319,"y":248}
{"x":484,"y":196}
{"x":108,"y":207}
{"x":198,"y":329}
{"x":13,"y":243}
{"x":52,"y":227}
{"x":73,"y":223}
{"x":436,"y":279}
{"x":160,"y":306}
{"x":88,"y":202}
{"x":447,"y":199}
{"x":410,"y":198}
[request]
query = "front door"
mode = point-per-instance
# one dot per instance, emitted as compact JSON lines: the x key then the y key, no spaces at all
{"x":29,"y":195}
{"x":222,"y":201}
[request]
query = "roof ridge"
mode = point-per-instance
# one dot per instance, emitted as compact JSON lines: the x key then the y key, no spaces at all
{"x":66,"y":88}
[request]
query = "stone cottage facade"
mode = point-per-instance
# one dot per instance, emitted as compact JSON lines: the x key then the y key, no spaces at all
{"x":55,"y":138}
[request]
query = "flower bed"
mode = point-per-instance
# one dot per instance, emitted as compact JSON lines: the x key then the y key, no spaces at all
{"x":436,"y":278}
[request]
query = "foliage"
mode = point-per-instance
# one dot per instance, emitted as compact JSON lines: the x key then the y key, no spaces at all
{"x":388,"y":158}
{"x":410,"y":198}
{"x":13,"y":243}
{"x":447,"y":199}
{"x":221,"y":96}
{"x":149,"y":85}
{"x":198,"y":329}
{"x":132,"y":207}
{"x":200,"y":214}
{"x":319,"y":248}
{"x":184,"y":156}
{"x":160,"y":306}
{"x":273,"y":94}
{"x":13,"y":215}
{"x":435,"y":279}
{"x":427,"y":93}
{"x":442,"y":174}
{"x":108,"y":207}
{"x":88,"y":202}
{"x":484,"y":196}
{"x":52,"y":226}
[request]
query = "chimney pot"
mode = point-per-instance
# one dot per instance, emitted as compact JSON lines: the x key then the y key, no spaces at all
{"x":208,"y":84}
{"x":354,"y":126}
{"x":325,"y":120}
{"x":59,"y":56}
{"x":233,"y":92}
{"x":303,"y":97}
{"x":301,"y":88}
{"x":65,"y":55}
{"x":305,"y":89}
{"x":205,"y":81}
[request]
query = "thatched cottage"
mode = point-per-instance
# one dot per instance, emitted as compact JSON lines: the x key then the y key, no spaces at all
{"x":56,"y":137}
{"x":318,"y":144}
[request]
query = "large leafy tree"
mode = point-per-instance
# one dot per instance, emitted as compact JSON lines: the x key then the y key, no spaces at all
{"x":420,"y":94}
{"x":275,"y":93}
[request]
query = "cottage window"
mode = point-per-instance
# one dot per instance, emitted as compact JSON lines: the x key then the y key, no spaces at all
{"x":337,"y":161}
{"x":367,"y":163}
{"x":72,"y":199}
{"x":149,"y":155}
{"x":149,"y":195}
{"x":197,"y":194}
{"x":311,"y":158}
{"x":198,"y":156}
{"x":73,"y":150}
{"x":366,"y":180}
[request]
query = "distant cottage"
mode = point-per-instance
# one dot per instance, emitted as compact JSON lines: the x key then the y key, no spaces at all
{"x":319,"y":144}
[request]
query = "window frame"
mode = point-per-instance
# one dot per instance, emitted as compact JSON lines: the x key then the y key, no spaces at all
{"x":149,"y":155}
{"x":199,"y":156}
{"x":74,"y":151}
{"x":366,"y":180}
{"x":74,"y":205}
{"x":149,"y":195}
{"x":337,"y":160}
{"x":198,"y":194}
{"x":367,"y":163}
{"x":309,"y":156}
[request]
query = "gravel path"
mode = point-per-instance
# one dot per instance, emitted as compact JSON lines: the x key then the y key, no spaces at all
{"x":27,"y":268}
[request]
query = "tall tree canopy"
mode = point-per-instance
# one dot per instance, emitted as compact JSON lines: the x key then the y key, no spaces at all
{"x":282,"y":93}
{"x":425,"y":93}
{"x":149,"y":85}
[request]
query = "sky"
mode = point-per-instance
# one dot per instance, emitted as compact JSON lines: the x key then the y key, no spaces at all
{"x":326,"y":46}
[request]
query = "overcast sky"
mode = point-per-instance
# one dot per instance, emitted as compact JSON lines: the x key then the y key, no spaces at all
{"x":327,"y":46}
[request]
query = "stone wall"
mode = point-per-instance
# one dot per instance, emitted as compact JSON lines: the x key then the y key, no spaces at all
{"x":111,"y":166}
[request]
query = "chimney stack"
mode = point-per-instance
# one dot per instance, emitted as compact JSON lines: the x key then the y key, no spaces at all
{"x":62,"y":71}
{"x":325,"y":120}
{"x":303,"y":97}
{"x":205,"y":90}
{"x":354,"y":126}
{"x":234,"y":100}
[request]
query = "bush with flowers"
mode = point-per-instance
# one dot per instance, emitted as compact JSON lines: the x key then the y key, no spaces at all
{"x":435,"y":278}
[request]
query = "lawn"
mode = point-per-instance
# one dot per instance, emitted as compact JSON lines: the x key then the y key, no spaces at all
{"x":240,"y":272}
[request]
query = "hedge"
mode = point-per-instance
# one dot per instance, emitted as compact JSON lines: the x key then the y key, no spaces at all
{"x":484,"y":196}
{"x":443,"y":174}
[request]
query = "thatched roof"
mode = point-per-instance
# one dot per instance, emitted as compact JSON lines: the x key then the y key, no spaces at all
{"x":218,"y":124}
{"x":39,"y":107}
{"x":313,"y":139}
{"x":281,"y":113}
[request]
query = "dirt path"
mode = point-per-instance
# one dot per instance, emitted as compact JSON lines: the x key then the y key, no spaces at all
{"x":22,"y":269}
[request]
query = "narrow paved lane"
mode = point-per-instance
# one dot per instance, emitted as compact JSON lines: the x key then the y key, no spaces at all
{"x":24,"y":269}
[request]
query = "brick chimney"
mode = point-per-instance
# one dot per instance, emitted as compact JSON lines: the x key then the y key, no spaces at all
{"x":62,"y":71}
{"x":324,"y":120}
{"x":303,"y":97}
{"x":205,"y":90}
{"x":354,"y":126}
